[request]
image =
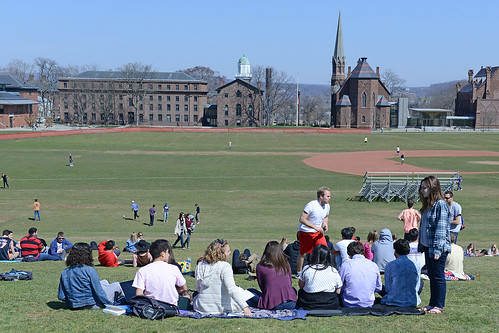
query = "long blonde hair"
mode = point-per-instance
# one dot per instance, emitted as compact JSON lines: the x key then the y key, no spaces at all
{"x":214,"y":252}
{"x":435,"y":192}
{"x":133,"y":237}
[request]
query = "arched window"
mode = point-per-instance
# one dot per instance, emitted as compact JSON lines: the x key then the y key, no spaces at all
{"x":250,"y":110}
{"x":226,"y":110}
{"x":363,"y":119}
{"x":238,"y":109}
{"x":238,"y":93}
{"x":374,"y":99}
{"x":364,"y":99}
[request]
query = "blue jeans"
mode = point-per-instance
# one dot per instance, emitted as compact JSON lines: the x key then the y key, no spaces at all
{"x":37,"y":213}
{"x":187,"y":240}
{"x":46,"y":256}
{"x":151,"y":220}
{"x":438,"y":287}
{"x":165,"y":217}
{"x":181,"y":239}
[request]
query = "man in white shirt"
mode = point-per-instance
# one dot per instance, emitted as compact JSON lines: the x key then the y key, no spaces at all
{"x":455,"y":210}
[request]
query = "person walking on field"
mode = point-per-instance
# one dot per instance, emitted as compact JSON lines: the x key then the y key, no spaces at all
{"x":135,"y":209}
{"x":4,"y":179}
{"x":398,"y":150}
{"x":70,"y":160}
{"x":166,"y":212}
{"x":410,"y":217}
{"x":402,"y":158}
{"x":313,"y":224}
{"x":36,"y":207}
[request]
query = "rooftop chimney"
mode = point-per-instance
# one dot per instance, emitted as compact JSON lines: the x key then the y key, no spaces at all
{"x":377,"y":71}
{"x":470,"y":76}
{"x":349,"y":71}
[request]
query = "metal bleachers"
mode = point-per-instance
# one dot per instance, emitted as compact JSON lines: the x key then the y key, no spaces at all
{"x":401,"y":185}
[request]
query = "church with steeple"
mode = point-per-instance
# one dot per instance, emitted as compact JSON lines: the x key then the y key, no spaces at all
{"x":359,"y":99}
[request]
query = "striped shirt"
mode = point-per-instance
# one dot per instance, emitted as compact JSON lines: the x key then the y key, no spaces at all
{"x":30,"y":245}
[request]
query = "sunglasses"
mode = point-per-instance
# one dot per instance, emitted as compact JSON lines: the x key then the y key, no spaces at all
{"x":447,"y":198}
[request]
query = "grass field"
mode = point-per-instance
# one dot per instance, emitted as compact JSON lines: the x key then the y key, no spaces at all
{"x":249,"y":195}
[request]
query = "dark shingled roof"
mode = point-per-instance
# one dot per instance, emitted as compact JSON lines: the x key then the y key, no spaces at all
{"x":13,"y":83}
{"x":163,"y":76}
{"x":363,"y":70}
{"x":467,"y":88}
{"x":244,"y":83}
{"x":482,"y":72}
{"x":344,"y":101}
{"x":382,"y":101}
{"x":7,"y":98}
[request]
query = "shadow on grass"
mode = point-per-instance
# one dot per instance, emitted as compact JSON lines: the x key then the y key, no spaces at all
{"x":56,"y":305}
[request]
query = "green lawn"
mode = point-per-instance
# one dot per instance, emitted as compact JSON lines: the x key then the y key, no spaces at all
{"x":249,"y":195}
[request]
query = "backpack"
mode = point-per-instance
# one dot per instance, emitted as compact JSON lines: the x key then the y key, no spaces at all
{"x":29,"y":258}
{"x":14,"y":275}
{"x":149,"y":308}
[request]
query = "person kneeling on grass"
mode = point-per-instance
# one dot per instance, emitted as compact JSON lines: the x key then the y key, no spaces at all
{"x":159,"y":279}
{"x":319,"y":282}
{"x":273,"y":274}
{"x":79,"y":285}
{"x":215,"y":283}
{"x":402,"y":278}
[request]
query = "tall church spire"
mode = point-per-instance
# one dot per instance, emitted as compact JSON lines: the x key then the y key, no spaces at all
{"x":338,"y":75}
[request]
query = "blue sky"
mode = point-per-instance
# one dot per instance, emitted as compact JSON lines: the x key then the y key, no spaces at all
{"x":422,"y":41}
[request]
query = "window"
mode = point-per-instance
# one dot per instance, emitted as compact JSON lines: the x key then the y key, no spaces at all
{"x":66,"y":116}
{"x":186,"y":98}
{"x":120,"y":85}
{"x":195,"y":98}
{"x":141,"y":117}
{"x":177,"y":87}
{"x":120,"y":117}
{"x":186,"y":87}
{"x":130,"y":101}
{"x":150,"y":86}
{"x":364,"y":99}
{"x":195,"y":87}
{"x":250,"y":110}
{"x":140,"y":97}
{"x":226,"y":95}
{"x":374,"y":100}
{"x":250,"y":95}
{"x":226,"y":109}
{"x":121,"y":106}
{"x":238,"y":122}
{"x":84,"y":85}
{"x":363,"y":119}
{"x":195,"y":108}
{"x":160,"y":107}
{"x":151,"y":107}
{"x":168,"y":107}
{"x":177,"y":117}
{"x":160,"y":117}
{"x":101,"y":85}
{"x":110,"y":85}
{"x":141,"y":107}
{"x":93,"y":106}
{"x":102,"y":117}
{"x":120,"y":97}
{"x":130,"y":86}
{"x":159,"y":86}
{"x":111,"y":117}
{"x":167,"y":87}
{"x":75,"y":116}
{"x":74,"y":85}
{"x":151,"y":117}
{"x":65,"y":84}
{"x":177,"y":107}
{"x":186,"y":118}
{"x":238,"y":93}
{"x":177,"y":98}
{"x":167,"y":98}
{"x":66,"y":106}
{"x":195,"y":118}
{"x":160,"y":98}
{"x":238,"y":109}
{"x":226,"y":122}
{"x":84,"y":117}
{"x":186,"y":108}
{"x":150,"y":98}
{"x":169,"y":118}
{"x":140,"y":86}
{"x":94,"y":116}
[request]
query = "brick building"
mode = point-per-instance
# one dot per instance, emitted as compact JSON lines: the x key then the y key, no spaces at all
{"x":18,"y":100}
{"x":153,"y":98}
{"x":480,"y":98}
{"x":360,"y":100}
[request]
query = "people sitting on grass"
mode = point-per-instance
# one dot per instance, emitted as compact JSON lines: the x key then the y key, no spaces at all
{"x":160,"y":280}
{"x":414,"y":254}
{"x":32,"y":248}
{"x":293,"y":252}
{"x":319,"y":282}
{"x":455,"y":259}
{"x":142,"y":256}
{"x":383,"y":249}
{"x":245,"y":262}
{"x":108,"y":254}
{"x":79,"y":285}
{"x":402,"y":278}
{"x":340,"y":248}
{"x":130,"y":243}
{"x":493,"y":250}
{"x":7,"y":251}
{"x":360,"y":278}
{"x":273,"y":274}
{"x":217,"y":291}
{"x":372,"y":237}
{"x":60,"y":245}
{"x":470,"y":250}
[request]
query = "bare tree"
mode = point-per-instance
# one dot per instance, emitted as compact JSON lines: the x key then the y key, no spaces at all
{"x":287,"y":114}
{"x":48,"y":72}
{"x":394,"y":83}
{"x":19,"y":69}
{"x":214,"y":79}
{"x":135,"y":75}
{"x":314,"y":109}
{"x":278,"y":91}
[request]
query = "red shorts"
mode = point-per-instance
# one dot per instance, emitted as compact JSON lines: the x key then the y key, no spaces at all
{"x":309,"y":240}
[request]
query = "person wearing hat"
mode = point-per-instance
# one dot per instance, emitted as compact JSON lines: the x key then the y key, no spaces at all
{"x":142,"y":257}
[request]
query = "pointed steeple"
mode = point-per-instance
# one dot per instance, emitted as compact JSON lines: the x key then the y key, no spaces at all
{"x":338,"y":75}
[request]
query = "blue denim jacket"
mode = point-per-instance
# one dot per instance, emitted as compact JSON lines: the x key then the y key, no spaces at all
{"x":80,"y":286}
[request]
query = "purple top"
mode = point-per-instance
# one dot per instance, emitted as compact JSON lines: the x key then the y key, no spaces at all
{"x":361,"y":279}
{"x":152,"y":211}
{"x":276,"y":289}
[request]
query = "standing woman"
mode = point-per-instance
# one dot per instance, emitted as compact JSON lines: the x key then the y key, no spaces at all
{"x":434,"y":239}
{"x":180,"y":230}
{"x":273,"y":274}
{"x":217,"y":290}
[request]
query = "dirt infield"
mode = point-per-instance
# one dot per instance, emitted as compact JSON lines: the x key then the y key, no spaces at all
{"x":358,"y":163}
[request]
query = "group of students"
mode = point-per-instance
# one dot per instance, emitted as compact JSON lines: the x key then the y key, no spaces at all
{"x":471,"y":251}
